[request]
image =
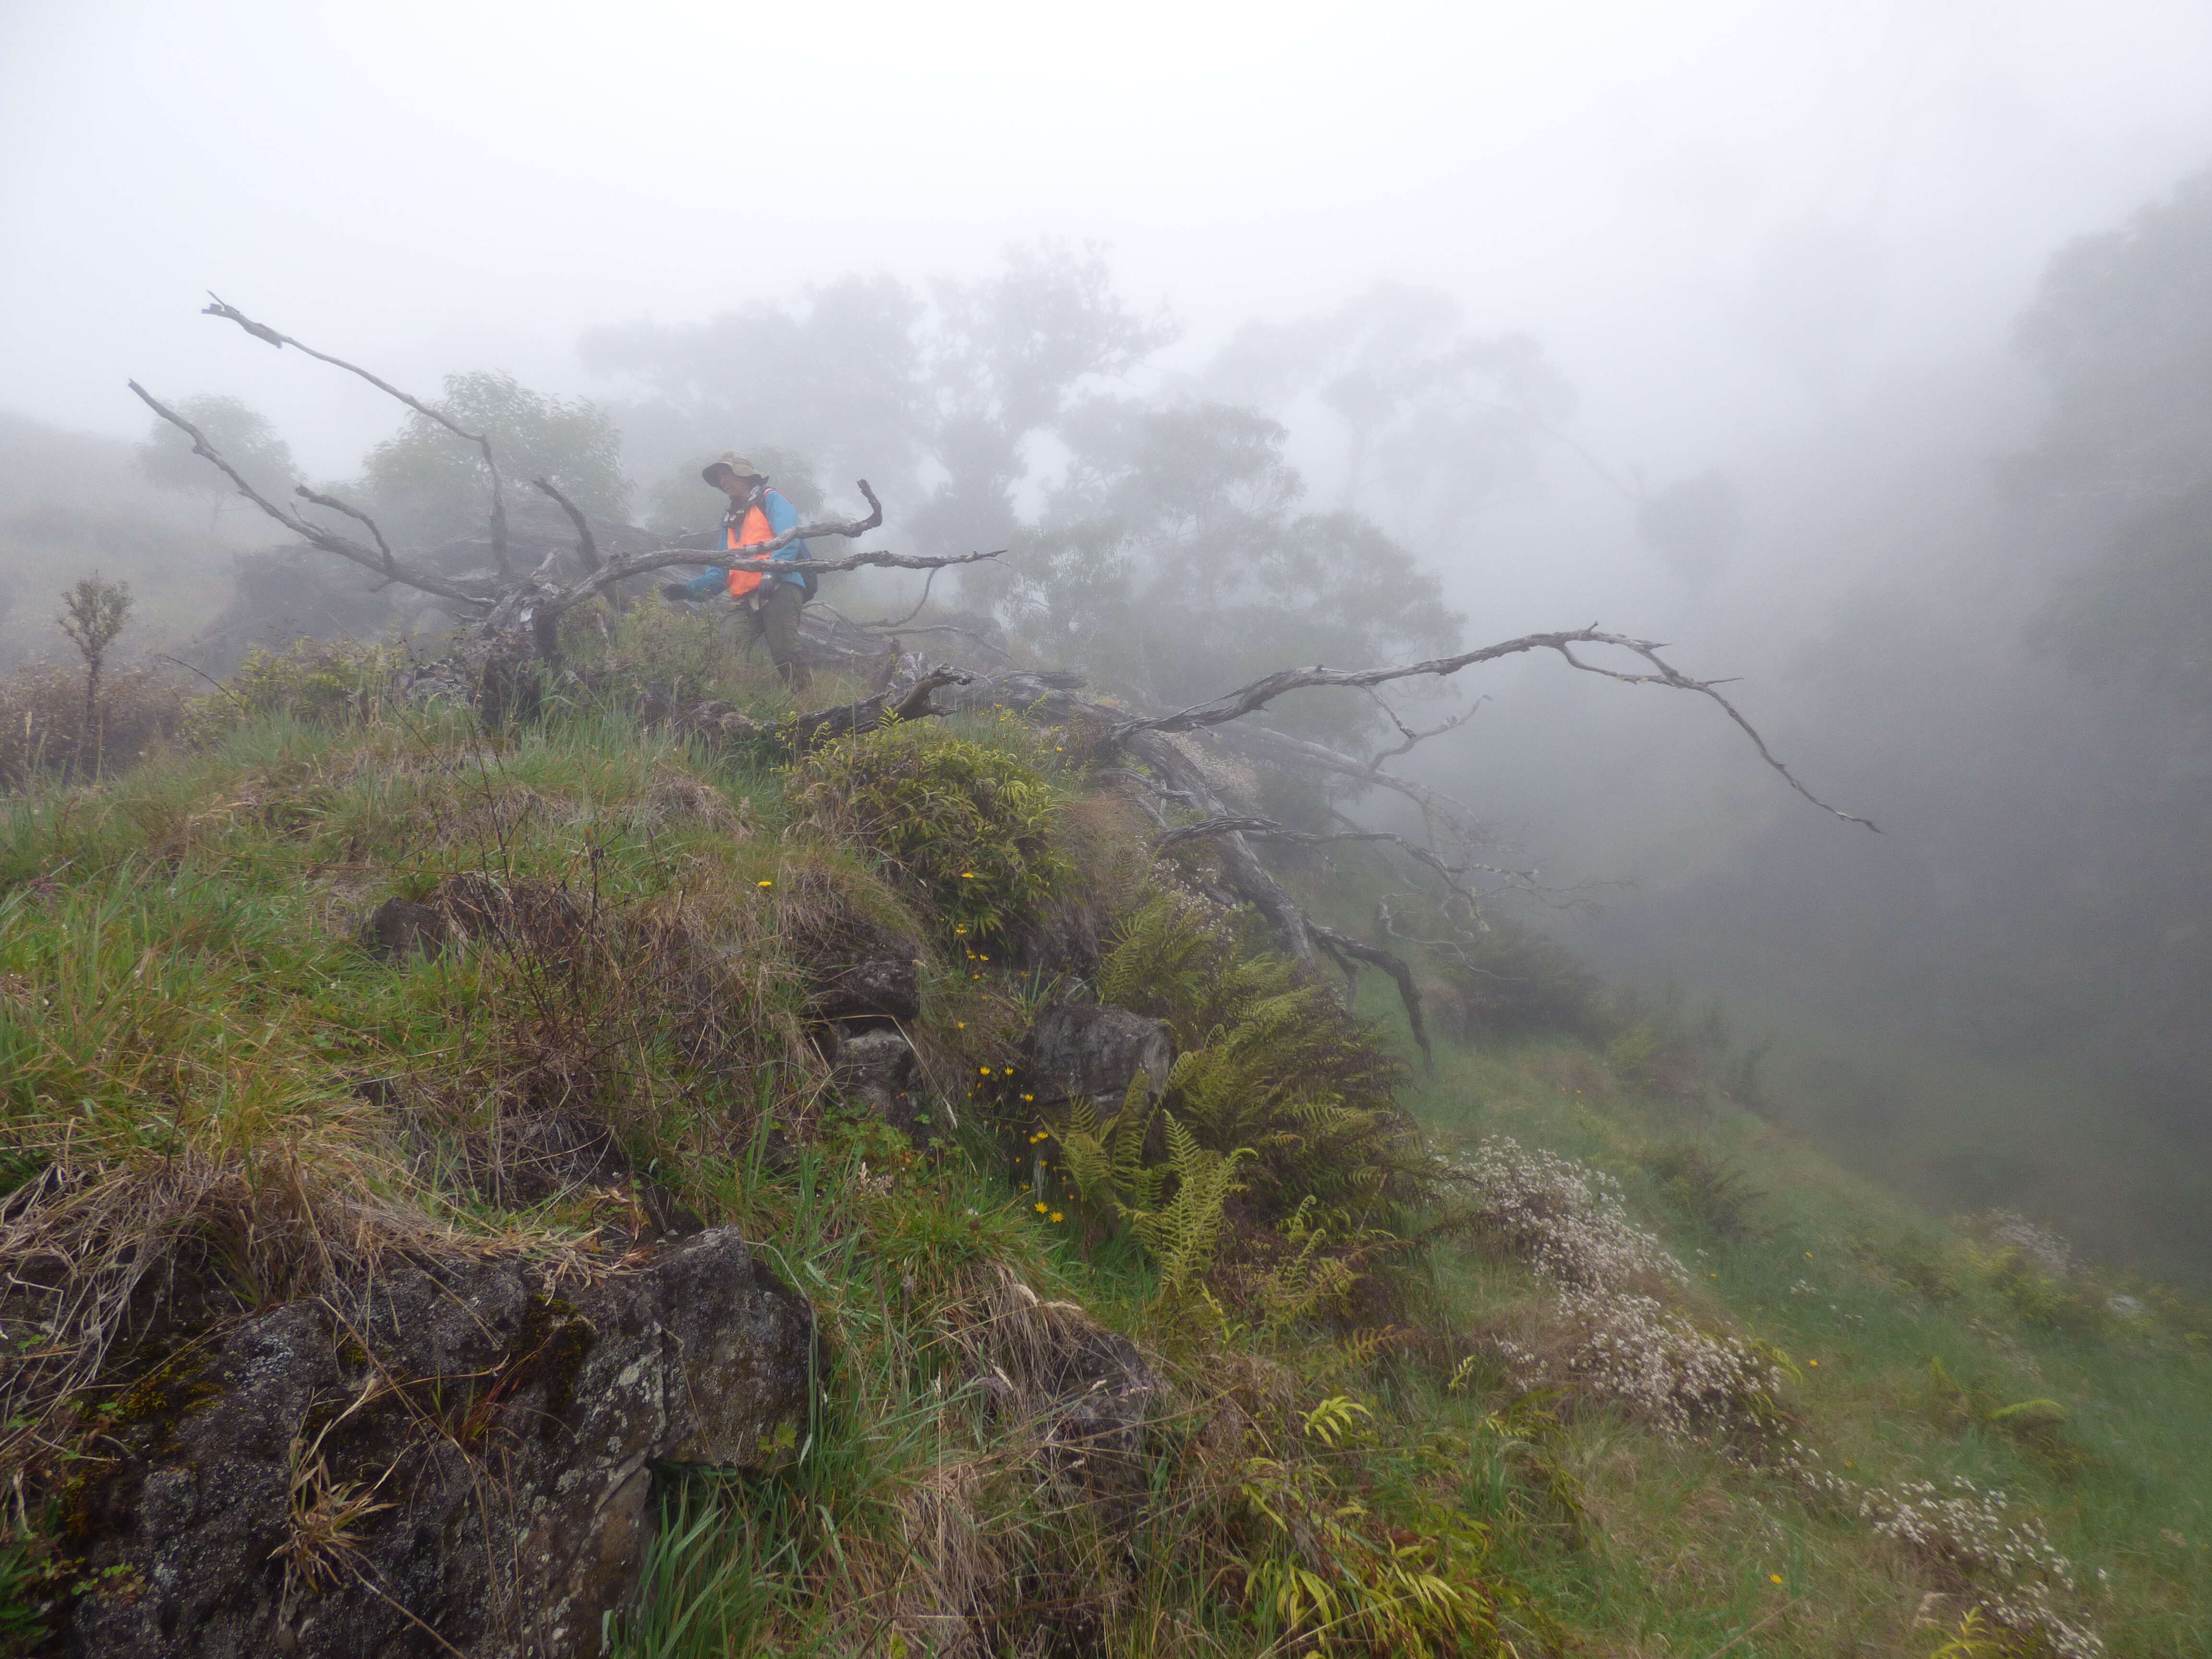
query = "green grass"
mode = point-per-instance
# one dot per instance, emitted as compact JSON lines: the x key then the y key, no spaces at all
{"x":187,"y":1028}
{"x":1695,"y":1541}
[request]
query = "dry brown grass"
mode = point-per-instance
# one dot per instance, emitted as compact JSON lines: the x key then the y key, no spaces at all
{"x":42,"y":718}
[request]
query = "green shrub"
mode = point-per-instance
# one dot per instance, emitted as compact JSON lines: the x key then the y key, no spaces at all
{"x":1276,"y":1086}
{"x":964,"y":827}
{"x":326,"y":683}
{"x":658,"y":654}
{"x":1504,"y":980}
{"x":1915,"y":1260}
{"x":1709,"y":1189}
{"x":1658,"y":1049}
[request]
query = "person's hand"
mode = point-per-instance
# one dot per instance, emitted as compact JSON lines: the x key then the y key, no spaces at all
{"x":676,"y":592}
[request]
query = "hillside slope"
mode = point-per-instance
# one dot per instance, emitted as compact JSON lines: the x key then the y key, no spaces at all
{"x":1293,"y":1344}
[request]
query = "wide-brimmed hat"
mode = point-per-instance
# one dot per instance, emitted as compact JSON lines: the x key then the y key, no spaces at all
{"x":740,"y":465}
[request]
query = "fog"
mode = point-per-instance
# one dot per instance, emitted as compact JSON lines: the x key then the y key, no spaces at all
{"x":1735,"y":290}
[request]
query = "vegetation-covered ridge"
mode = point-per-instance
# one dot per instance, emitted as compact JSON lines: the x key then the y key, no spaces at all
{"x":1553,"y":1346}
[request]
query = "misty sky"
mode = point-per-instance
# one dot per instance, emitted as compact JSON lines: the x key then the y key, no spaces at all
{"x":1705,"y":211}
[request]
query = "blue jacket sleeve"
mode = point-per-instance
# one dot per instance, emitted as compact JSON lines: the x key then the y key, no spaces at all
{"x":708,"y":583}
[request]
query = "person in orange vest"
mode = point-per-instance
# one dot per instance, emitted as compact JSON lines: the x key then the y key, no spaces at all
{"x":756,"y":515}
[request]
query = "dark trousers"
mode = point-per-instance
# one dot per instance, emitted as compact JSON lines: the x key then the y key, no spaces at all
{"x":776,"y":619}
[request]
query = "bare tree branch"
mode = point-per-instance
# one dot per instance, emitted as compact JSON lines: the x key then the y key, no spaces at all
{"x":587,"y":549}
{"x":1259,"y":742}
{"x":661,"y":558}
{"x":262,"y":332}
{"x":800,"y":733}
{"x":1255,"y":697}
{"x":391,"y":571}
{"x":1251,"y":877}
{"x":535,"y":603}
{"x":510,"y":610}
{"x":1375,"y":956}
{"x":379,"y":559}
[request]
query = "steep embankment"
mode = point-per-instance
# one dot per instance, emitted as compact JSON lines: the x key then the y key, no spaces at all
{"x":495,"y":1191}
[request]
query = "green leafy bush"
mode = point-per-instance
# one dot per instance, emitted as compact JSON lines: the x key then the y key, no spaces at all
{"x":660,"y":656}
{"x":1659,"y":1048}
{"x":964,"y":827}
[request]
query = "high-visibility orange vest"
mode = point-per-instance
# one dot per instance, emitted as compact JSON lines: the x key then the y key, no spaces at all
{"x":751,"y":533}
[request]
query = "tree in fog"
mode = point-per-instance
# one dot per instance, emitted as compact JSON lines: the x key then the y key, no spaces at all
{"x":1004,"y":365}
{"x":1435,"y":421}
{"x":2121,"y":330}
{"x":1177,"y":555}
{"x":835,"y":378}
{"x":939,"y":399}
{"x":428,"y":486}
{"x":167,"y":459}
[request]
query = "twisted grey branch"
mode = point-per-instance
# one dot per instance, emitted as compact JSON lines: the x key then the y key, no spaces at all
{"x":357,"y":516}
{"x":262,"y":332}
{"x":587,"y":549}
{"x":462,"y":591}
{"x":1344,"y":944}
{"x":1407,"y":733}
{"x":1260,"y":693}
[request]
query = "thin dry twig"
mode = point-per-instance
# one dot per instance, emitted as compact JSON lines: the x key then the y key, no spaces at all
{"x":1407,"y":733}
{"x":917,"y":605}
{"x":1260,"y":693}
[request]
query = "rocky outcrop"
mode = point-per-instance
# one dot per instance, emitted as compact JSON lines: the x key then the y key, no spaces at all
{"x":1078,"y":1051}
{"x":463,"y":1463}
{"x":878,"y":1069}
{"x":884,"y":988}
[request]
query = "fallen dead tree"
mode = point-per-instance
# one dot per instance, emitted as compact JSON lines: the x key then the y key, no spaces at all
{"x":512,"y":622}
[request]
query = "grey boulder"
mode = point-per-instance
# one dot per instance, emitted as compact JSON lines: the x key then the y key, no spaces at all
{"x":1078,"y":1051}
{"x":462,"y":1462}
